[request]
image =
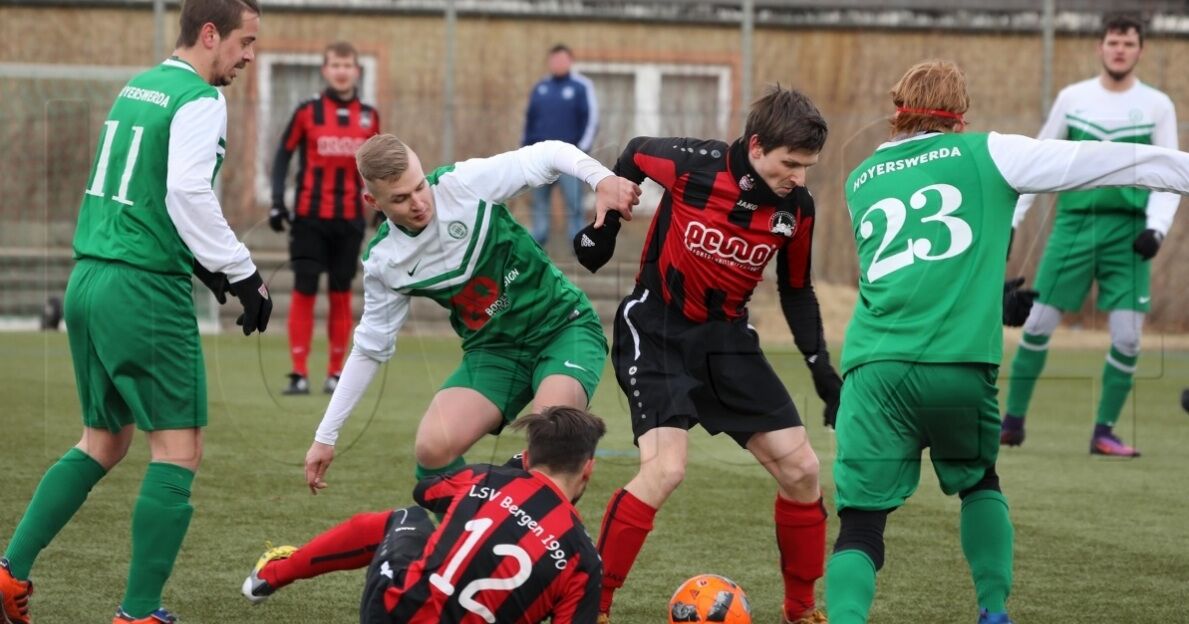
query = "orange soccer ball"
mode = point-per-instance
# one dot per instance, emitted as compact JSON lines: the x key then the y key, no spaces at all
{"x":709,"y":598}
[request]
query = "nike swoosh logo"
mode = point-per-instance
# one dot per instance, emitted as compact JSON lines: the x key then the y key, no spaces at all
{"x":414,"y":269}
{"x":1144,"y":299}
{"x":569,"y":364}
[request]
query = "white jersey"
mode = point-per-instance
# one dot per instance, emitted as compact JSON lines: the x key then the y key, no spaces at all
{"x":1086,"y":111}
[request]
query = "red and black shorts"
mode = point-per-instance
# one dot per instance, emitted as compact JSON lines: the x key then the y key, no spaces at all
{"x":678,"y":373}
{"x":328,"y":246}
{"x":405,"y":534}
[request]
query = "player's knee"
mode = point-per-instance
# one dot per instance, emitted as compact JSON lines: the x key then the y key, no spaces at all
{"x":799,"y":472}
{"x":305,"y":277}
{"x":432,"y":455}
{"x":1042,"y":320}
{"x":990,"y":481}
{"x":663,"y":476}
{"x":863,"y":531}
{"x":1125,"y":336}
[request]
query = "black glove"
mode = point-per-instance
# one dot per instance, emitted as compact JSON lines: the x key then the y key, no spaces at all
{"x":253,"y":296}
{"x":1147,"y":243}
{"x":278,"y":216}
{"x":1017,"y":302}
{"x":594,"y":248}
{"x":217,"y":282}
{"x":827,"y":383}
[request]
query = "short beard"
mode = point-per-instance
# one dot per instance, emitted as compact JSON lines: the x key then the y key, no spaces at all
{"x":1117,"y":76}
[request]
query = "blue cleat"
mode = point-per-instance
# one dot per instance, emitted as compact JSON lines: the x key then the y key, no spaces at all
{"x":992,"y":618}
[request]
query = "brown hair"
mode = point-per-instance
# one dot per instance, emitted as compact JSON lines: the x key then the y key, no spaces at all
{"x":1121,"y":23}
{"x":561,"y":47}
{"x":561,"y":438}
{"x":226,"y":15}
{"x":340,"y":49}
{"x":382,"y":157}
{"x":925,"y":89}
{"x":786,"y":118}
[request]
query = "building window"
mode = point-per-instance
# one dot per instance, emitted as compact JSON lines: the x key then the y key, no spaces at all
{"x":287,"y":80}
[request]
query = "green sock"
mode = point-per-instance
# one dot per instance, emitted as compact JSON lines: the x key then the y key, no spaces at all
{"x":62,"y":490}
{"x":987,"y":538}
{"x":159,"y":522}
{"x":422,"y":472}
{"x":850,"y":586}
{"x":1117,"y":374}
{"x":1025,"y":370}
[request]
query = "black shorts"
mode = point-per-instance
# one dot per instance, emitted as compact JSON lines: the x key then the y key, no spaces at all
{"x":405,"y":536}
{"x":328,"y":246}
{"x":678,"y":373}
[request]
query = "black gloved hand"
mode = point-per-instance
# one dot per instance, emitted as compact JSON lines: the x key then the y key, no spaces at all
{"x":1147,"y":243}
{"x":827,"y":383}
{"x":253,"y":296}
{"x":594,"y":248}
{"x":217,"y":282}
{"x":1017,"y":302}
{"x":278,"y":216}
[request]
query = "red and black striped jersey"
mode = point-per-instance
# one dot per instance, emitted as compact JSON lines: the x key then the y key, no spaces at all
{"x":325,"y":132}
{"x":717,"y":226}
{"x":511,"y":549}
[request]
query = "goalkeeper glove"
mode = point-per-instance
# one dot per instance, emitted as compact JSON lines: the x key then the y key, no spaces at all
{"x":594,"y":247}
{"x":1147,"y":243}
{"x":217,"y":282}
{"x":827,"y":383}
{"x":253,"y":296}
{"x":278,"y":216}
{"x":1017,"y":302}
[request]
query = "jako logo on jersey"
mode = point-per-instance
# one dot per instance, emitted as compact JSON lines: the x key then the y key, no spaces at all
{"x":746,"y":183}
{"x":783,"y":223}
{"x":703,"y":238}
{"x":339,"y":146}
{"x":747,"y":205}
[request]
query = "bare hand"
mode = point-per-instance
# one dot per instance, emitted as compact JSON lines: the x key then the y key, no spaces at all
{"x":615,"y":193}
{"x":318,"y":460}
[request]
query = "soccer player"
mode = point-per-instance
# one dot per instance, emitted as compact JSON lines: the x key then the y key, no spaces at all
{"x":326,"y":229}
{"x":511,"y":547}
{"x":684,"y":353}
{"x":931,"y":211}
{"x":149,"y":218}
{"x":1106,"y":235}
{"x":528,"y":334}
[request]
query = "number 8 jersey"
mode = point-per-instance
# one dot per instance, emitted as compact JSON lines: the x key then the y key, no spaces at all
{"x":150,"y":191}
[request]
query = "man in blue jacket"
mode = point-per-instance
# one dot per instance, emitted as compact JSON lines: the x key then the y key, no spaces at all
{"x":561,"y":107}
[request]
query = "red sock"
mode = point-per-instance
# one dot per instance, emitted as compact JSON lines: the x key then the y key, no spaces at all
{"x":801,"y":538}
{"x":338,"y":327}
{"x":301,"y":330}
{"x":347,"y":546}
{"x":626,"y":525}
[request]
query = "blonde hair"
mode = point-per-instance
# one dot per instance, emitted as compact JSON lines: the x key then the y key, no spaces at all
{"x":925,"y":89}
{"x":382,"y":157}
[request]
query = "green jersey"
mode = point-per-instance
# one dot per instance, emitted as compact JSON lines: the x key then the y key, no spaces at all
{"x":474,"y":259}
{"x":149,"y":200}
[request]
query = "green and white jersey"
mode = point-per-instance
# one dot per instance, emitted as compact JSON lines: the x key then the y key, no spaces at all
{"x":149,"y":200}
{"x":1086,"y":111}
{"x":932,"y":216}
{"x":473,"y":259}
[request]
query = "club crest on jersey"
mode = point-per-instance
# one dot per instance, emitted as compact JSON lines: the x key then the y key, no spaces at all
{"x":365,"y":119}
{"x":746,"y":182}
{"x":783,"y":223}
{"x":457,"y":229}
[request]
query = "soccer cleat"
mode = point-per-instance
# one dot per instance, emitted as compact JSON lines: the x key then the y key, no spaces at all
{"x":332,"y":382}
{"x":1110,"y":444}
{"x":298,"y":384}
{"x":256,"y":589}
{"x":160,"y":616}
{"x":1012,"y":431}
{"x":14,"y":596}
{"x":814,"y":617}
{"x":992,"y":618}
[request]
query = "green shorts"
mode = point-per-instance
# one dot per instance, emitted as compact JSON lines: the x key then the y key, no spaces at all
{"x":1087,"y":247}
{"x":134,"y":342}
{"x":891,"y":411}
{"x":509,"y":376}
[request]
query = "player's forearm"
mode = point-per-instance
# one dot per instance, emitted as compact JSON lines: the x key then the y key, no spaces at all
{"x":280,"y":170}
{"x":1162,"y":207}
{"x":567,"y":159}
{"x":1032,"y":166}
{"x":356,"y":377}
{"x":1023,"y":205}
{"x":804,"y":318}
{"x":200,"y":223}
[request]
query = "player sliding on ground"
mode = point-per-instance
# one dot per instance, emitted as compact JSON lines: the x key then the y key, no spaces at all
{"x":528,"y":334}
{"x":931,"y":211}
{"x":684,"y":353}
{"x":511,"y":549}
